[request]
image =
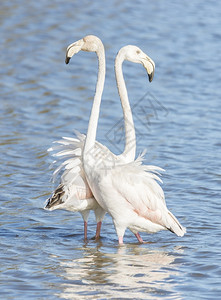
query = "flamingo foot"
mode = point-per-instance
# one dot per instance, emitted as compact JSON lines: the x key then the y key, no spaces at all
{"x":140,"y":240}
{"x":98,"y":230}
{"x":85,"y":230}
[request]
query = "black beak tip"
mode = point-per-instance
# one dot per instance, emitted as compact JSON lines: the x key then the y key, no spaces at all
{"x":67,"y":59}
{"x":151,"y":76}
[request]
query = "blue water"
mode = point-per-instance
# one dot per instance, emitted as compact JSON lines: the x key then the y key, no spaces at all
{"x":177,"y":118}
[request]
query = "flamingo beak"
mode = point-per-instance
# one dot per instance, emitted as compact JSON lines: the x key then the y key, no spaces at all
{"x":67,"y":59}
{"x":151,"y":75}
{"x":149,"y":65}
{"x":72,"y":49}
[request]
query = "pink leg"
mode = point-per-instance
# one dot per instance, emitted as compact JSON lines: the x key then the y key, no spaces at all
{"x":120,"y":240}
{"x":140,"y":240}
{"x":98,"y":230}
{"x":85,"y":230}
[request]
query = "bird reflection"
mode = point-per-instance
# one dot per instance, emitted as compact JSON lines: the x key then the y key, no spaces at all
{"x":129,"y":271}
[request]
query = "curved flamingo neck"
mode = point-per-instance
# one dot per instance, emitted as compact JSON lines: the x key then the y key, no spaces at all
{"x":93,"y":121}
{"x":130,"y":136}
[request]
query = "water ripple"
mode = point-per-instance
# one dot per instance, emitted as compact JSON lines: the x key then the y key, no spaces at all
{"x":43,"y":255}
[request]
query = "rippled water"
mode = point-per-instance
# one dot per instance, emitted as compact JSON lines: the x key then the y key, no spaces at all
{"x":177,"y":116}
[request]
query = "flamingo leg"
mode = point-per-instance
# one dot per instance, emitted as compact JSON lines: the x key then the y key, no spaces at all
{"x":85,"y":230}
{"x":98,"y":230}
{"x":120,"y":240}
{"x":140,"y":240}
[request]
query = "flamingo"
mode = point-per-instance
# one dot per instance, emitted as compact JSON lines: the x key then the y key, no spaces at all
{"x":73,"y":192}
{"x":129,"y":191}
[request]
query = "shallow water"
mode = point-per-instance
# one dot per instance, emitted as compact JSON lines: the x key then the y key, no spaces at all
{"x":177,"y":117}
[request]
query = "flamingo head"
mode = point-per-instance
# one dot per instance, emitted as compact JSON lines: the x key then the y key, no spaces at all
{"x":89,"y":43}
{"x":136,"y":55}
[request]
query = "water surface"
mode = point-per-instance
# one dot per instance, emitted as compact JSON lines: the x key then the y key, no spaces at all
{"x":177,"y":118}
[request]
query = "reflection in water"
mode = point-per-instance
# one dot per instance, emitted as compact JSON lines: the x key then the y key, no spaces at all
{"x":131,"y":272}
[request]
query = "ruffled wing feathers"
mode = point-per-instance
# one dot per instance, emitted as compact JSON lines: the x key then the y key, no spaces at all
{"x":146,"y":197}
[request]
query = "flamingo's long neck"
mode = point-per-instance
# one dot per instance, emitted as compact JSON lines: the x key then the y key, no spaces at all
{"x":93,"y":122}
{"x":130,"y":137}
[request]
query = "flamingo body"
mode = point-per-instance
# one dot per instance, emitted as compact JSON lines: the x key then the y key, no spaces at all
{"x":131,"y":194}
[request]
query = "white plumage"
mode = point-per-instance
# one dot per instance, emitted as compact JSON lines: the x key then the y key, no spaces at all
{"x":73,"y":192}
{"x":131,"y":195}
{"x":126,"y":189}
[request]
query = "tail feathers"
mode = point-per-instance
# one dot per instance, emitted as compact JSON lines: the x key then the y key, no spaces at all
{"x":56,"y":198}
{"x":175,"y":226}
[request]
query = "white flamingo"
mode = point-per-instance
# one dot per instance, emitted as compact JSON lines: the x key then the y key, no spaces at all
{"x":73,"y":193}
{"x":129,"y":192}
